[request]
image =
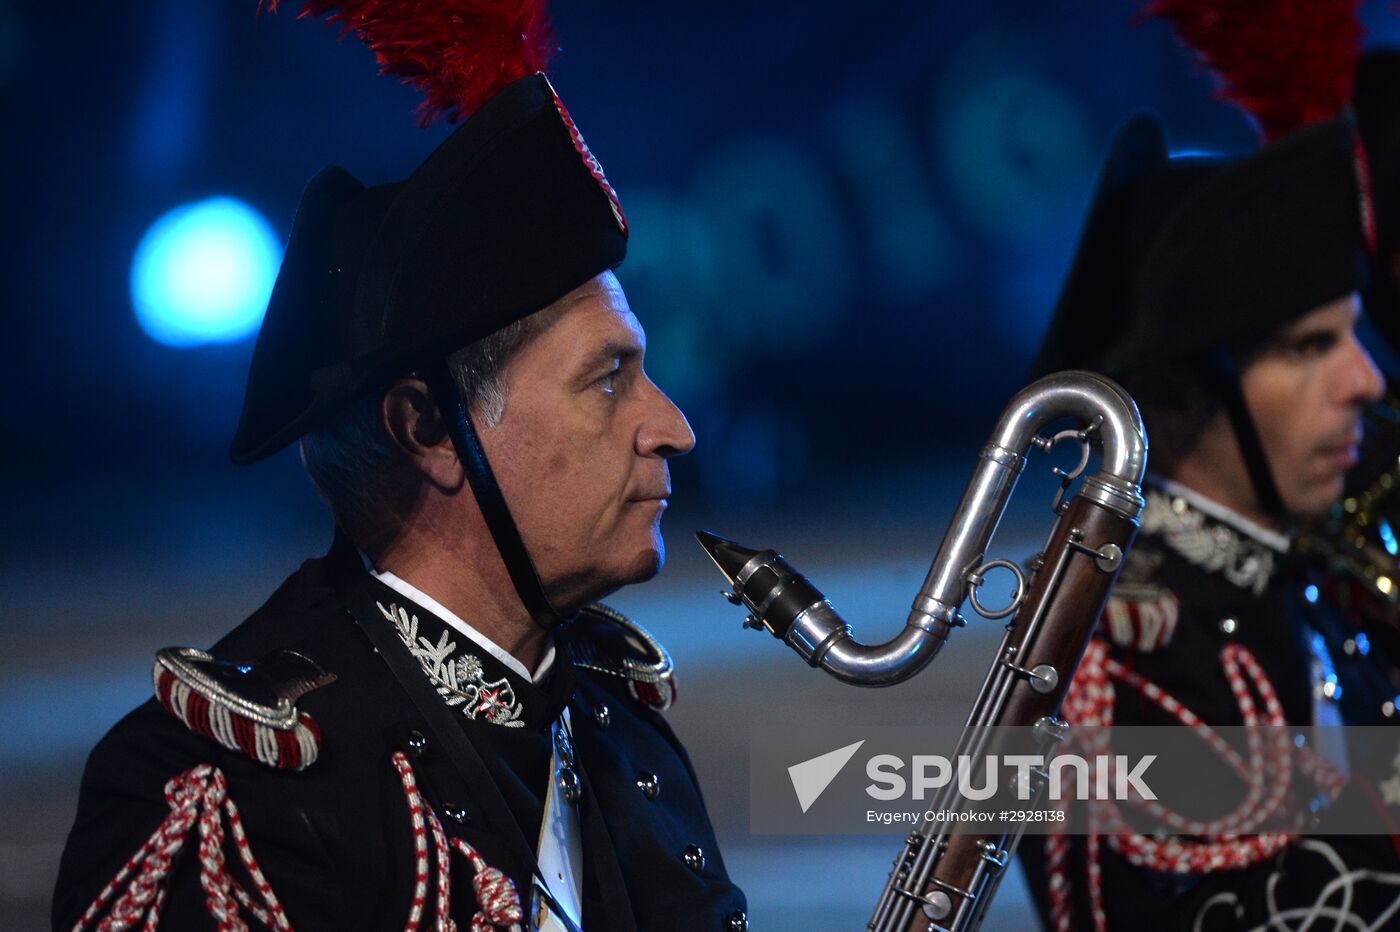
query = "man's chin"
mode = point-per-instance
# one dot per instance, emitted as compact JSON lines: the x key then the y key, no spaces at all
{"x":1317,"y":501}
{"x":600,"y":584}
{"x":642,"y":567}
{"x":649,"y":556}
{"x":647,"y":564}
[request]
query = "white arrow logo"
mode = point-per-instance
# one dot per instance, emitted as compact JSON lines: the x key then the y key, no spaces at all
{"x":811,"y":777}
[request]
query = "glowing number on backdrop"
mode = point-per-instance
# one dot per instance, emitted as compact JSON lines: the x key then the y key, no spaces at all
{"x":1018,"y":152}
{"x":782,"y":237}
{"x":909,"y":236}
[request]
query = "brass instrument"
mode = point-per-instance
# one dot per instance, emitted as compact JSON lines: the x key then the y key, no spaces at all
{"x":1356,"y":543}
{"x":1357,"y":538}
{"x":946,"y":874}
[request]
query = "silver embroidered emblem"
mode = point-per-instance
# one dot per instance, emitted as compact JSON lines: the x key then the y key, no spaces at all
{"x":1213,"y":547}
{"x":459,"y":680}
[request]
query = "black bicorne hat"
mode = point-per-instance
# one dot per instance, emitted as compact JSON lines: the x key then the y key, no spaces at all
{"x":508,"y":215}
{"x":1181,"y":257}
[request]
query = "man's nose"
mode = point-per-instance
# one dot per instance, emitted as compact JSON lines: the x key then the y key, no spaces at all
{"x":665,"y":432}
{"x":1361,"y":381}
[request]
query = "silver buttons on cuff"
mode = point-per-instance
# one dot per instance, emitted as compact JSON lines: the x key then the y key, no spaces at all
{"x":569,"y":785}
{"x":694,"y":858}
{"x":649,"y":783}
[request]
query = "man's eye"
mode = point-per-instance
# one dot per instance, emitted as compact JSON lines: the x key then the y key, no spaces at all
{"x":1313,"y":344}
{"x":608,"y":383}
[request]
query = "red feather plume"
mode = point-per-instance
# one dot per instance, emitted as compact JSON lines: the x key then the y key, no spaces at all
{"x":1288,"y":63}
{"x":458,"y":53}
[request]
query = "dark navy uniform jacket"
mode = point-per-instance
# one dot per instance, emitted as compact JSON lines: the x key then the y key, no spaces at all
{"x":335,"y":840}
{"x":1202,"y":583}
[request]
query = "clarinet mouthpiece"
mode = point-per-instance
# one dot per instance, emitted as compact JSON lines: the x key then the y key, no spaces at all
{"x":728,"y":555}
{"x":779,"y":599}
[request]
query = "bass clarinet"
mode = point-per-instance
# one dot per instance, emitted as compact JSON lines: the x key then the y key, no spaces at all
{"x":947,"y":873}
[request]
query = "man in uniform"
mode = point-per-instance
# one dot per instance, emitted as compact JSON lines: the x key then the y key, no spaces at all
{"x":1223,"y":295}
{"x":1356,"y":541}
{"x":433,"y":724}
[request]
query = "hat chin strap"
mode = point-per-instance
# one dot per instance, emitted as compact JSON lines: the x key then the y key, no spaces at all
{"x":488,"y":495}
{"x":1256,"y":465}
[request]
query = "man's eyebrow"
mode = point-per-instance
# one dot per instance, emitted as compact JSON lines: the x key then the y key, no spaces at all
{"x":1311,"y":330}
{"x":610,"y":351}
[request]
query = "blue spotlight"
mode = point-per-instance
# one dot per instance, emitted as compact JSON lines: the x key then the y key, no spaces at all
{"x":203,"y":273}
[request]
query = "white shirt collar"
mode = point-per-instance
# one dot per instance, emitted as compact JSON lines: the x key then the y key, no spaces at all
{"x":1272,"y":539}
{"x":410,"y":591}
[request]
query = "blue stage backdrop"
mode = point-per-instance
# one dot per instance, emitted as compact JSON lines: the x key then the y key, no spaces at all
{"x":849,"y":224}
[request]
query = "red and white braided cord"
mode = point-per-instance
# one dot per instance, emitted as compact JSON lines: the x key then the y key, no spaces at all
{"x":444,"y":871}
{"x":420,"y":840}
{"x":1090,"y":702}
{"x":498,"y":902}
{"x":199,"y":794}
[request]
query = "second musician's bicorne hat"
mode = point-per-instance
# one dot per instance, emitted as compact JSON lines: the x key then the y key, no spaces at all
{"x":1183,"y":255}
{"x":1195,"y":261}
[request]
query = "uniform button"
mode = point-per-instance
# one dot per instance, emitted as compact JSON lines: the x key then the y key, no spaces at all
{"x":568,"y":785}
{"x":602,"y":714}
{"x":694,"y":858}
{"x":739,"y":922}
{"x":649,"y":783}
{"x":454,"y":813}
{"x":1228,"y":626}
{"x":417,"y":743}
{"x":563,"y":747}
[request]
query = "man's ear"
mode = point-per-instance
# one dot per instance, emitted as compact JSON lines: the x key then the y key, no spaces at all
{"x":411,"y":419}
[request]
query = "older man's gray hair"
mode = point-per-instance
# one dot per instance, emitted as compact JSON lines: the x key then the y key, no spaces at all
{"x":354,"y":465}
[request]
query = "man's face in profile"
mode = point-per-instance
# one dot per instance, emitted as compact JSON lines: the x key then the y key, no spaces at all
{"x":1305,"y":391}
{"x":581,"y":448}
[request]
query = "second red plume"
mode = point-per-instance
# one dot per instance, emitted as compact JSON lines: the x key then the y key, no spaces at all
{"x":1288,"y":63}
